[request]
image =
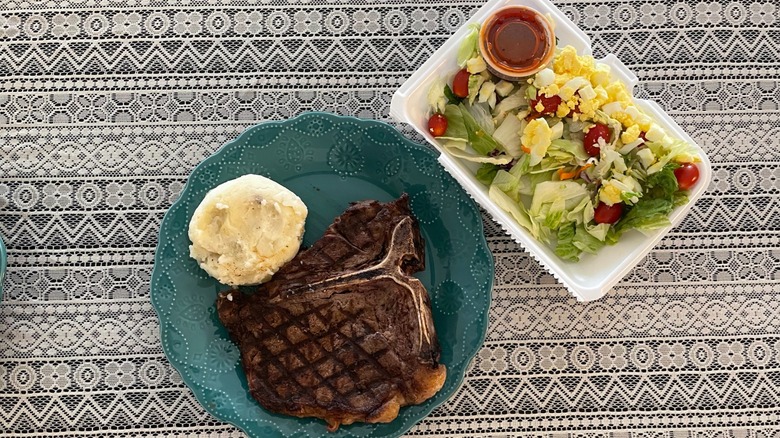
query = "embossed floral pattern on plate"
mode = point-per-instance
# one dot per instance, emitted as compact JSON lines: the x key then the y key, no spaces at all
{"x":329,"y":161}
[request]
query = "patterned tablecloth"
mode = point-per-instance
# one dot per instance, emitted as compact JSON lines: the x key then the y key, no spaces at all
{"x":107,"y":105}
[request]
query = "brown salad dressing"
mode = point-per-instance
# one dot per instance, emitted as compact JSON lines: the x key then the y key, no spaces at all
{"x":517,"y":40}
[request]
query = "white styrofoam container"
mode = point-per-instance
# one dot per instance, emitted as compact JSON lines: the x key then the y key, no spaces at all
{"x":594,"y":275}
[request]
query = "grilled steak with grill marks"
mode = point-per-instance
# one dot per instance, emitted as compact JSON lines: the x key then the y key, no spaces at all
{"x":342,"y":332}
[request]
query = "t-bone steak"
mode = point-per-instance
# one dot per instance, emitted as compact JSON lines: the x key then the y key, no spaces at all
{"x":342,"y":332}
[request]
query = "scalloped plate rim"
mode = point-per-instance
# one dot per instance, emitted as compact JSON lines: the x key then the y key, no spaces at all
{"x":482,"y":245}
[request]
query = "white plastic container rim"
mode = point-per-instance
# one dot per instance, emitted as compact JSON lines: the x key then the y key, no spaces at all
{"x":594,"y":275}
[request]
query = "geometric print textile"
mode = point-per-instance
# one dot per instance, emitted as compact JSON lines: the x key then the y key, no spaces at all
{"x":107,"y":105}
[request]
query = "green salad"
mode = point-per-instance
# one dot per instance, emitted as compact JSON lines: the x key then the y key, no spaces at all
{"x":565,"y":152}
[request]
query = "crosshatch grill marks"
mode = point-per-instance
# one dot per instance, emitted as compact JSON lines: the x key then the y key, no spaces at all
{"x":351,"y":343}
{"x":388,"y":268}
{"x":300,"y":360}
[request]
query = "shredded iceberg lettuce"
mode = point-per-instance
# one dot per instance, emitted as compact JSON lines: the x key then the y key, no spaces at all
{"x":469,"y":47}
{"x":534,"y":160}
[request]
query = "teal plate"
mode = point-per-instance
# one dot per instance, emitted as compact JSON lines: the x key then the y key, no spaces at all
{"x":329,"y":161}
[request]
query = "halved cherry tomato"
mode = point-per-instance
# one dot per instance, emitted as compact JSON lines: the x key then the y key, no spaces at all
{"x":460,"y":84}
{"x":592,"y":137}
{"x":607,"y":214}
{"x":687,"y":175}
{"x":437,"y":125}
{"x":550,"y":104}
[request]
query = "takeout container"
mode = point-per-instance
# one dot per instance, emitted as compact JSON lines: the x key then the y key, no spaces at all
{"x":594,"y":275}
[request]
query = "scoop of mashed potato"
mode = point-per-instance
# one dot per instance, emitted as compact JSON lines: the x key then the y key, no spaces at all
{"x":244,"y":230}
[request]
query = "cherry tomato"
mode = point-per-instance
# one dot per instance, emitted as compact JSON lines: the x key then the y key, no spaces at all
{"x":607,"y":214}
{"x":460,"y":85}
{"x":687,"y":175}
{"x":437,"y":125}
{"x":592,"y":139}
{"x":550,"y":103}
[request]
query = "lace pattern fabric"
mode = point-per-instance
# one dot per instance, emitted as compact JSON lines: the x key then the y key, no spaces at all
{"x":107,"y":106}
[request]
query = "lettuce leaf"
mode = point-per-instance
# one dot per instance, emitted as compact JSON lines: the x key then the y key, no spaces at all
{"x":517,"y":210}
{"x":653,"y":209}
{"x":680,"y":198}
{"x":511,"y":103}
{"x":436,"y":96}
{"x":586,"y":241}
{"x":565,"y":247}
{"x":663,"y":184}
{"x":562,"y":194}
{"x":481,"y":114}
{"x":508,"y":135}
{"x":522,"y":166}
{"x":513,"y":182}
{"x":469,"y":46}
{"x":529,"y":181}
{"x":647,"y":215}
{"x":553,"y":200}
{"x":678,"y":151}
{"x":573,"y":240}
{"x":529,"y":176}
{"x":567,"y":151}
{"x":509,"y":183}
{"x":553,"y":216}
{"x":456,"y":127}
{"x":475,"y":83}
{"x":490,"y":159}
{"x":481,"y":140}
{"x":486,"y":173}
{"x":452,"y":99}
